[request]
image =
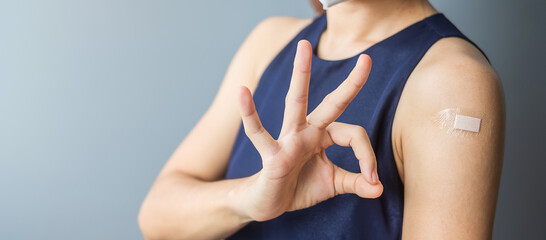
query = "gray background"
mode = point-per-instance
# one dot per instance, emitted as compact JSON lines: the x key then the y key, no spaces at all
{"x":95,"y":96}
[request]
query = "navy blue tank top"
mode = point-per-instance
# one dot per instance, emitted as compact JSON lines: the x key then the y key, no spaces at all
{"x":344,"y":216}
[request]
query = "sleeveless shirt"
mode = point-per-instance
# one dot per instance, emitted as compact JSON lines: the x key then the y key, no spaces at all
{"x":345,"y":216}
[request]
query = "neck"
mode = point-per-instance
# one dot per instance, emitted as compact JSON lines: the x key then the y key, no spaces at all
{"x":373,"y":20}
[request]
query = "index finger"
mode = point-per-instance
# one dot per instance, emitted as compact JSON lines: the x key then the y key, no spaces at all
{"x":356,"y":137}
{"x":335,"y":102}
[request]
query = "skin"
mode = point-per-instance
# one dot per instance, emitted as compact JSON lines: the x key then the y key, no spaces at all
{"x":317,"y":7}
{"x":451,"y":182}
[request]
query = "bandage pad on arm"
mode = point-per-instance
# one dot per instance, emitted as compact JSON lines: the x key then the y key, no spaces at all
{"x":457,"y":122}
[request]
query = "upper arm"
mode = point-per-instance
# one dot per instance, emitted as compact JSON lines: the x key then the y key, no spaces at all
{"x":451,"y":177}
{"x":204,"y":153}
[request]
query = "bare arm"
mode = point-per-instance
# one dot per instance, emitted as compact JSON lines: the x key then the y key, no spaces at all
{"x":187,"y":203}
{"x":451,"y":176}
{"x":188,"y":199}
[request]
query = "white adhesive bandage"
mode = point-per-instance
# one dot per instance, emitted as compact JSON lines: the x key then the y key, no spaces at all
{"x":467,"y":123}
{"x":454,"y":123}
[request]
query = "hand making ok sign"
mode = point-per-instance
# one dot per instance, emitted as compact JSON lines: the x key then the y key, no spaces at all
{"x":296,"y":172}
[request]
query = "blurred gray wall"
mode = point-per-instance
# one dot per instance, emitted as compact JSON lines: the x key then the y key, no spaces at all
{"x":95,"y":96}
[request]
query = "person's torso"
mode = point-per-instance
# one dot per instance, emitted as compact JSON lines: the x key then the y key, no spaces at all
{"x":345,"y":216}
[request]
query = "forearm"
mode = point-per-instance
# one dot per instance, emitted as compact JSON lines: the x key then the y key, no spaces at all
{"x":182,"y":207}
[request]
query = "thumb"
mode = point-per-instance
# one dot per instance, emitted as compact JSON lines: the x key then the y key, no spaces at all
{"x":349,"y":182}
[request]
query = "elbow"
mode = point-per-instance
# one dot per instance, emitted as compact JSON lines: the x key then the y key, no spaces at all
{"x":154,"y":223}
{"x":146,"y":223}
{"x":160,"y":217}
{"x":151,"y":222}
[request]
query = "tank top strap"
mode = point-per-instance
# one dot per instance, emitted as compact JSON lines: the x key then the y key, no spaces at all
{"x":445,"y":28}
{"x":345,"y":216}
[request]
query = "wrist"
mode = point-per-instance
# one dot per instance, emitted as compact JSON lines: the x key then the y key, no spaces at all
{"x":240,"y":197}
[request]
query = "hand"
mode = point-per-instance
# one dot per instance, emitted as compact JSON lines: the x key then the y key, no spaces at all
{"x":296,"y":172}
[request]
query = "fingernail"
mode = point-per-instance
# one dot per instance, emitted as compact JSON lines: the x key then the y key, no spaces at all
{"x":374,"y":177}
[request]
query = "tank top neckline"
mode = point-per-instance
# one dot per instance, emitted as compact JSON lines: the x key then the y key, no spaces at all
{"x":342,"y":217}
{"x":322,"y":23}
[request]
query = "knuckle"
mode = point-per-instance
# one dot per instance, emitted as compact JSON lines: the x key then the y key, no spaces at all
{"x":355,"y":84}
{"x":259,"y":131}
{"x":323,"y":123}
{"x":248,"y":114}
{"x":299,"y":68}
{"x":361,"y":131}
{"x":275,"y":149}
{"x":338,"y":104}
{"x":301,"y":98}
{"x":254,"y":131}
{"x":341,"y":104}
{"x":342,"y":186}
{"x":353,"y":183}
{"x":318,"y":123}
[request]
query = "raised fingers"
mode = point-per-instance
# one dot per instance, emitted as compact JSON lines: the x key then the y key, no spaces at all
{"x":264,"y":143}
{"x":335,"y":103}
{"x":296,"y":99}
{"x":355,"y":136}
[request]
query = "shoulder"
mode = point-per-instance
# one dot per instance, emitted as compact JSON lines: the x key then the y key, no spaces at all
{"x":453,"y":74}
{"x":268,"y":38}
{"x":280,"y":26}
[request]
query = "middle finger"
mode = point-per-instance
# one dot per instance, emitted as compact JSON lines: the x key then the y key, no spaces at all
{"x":296,"y":99}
